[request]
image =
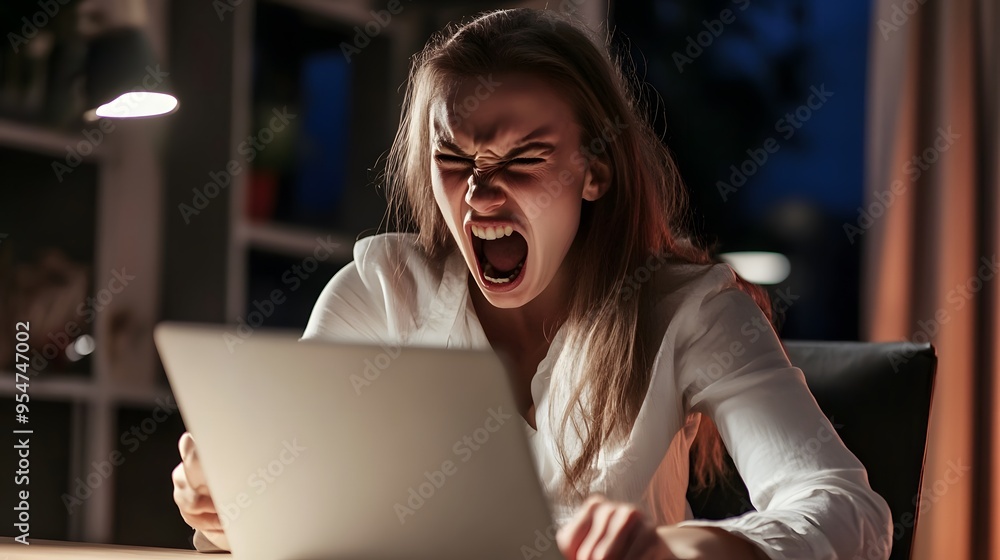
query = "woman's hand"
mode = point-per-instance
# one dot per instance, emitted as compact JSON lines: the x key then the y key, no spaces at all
{"x":602,"y":529}
{"x":192,"y":497}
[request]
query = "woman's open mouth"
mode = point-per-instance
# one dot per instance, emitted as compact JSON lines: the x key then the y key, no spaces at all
{"x":501,"y":253}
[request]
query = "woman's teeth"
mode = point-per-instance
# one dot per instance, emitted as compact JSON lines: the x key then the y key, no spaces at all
{"x":491,"y":232}
{"x":488,"y":269}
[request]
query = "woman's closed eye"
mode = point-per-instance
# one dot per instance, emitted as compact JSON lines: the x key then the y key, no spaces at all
{"x":451,"y":160}
{"x":454,"y":163}
{"x":526,"y":161}
{"x":448,"y":159}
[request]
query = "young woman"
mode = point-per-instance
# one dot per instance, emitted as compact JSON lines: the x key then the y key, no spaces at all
{"x":546,"y":221}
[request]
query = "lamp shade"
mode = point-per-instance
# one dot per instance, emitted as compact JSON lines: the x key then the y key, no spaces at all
{"x":123,"y":79}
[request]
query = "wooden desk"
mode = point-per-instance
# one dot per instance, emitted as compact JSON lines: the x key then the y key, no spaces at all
{"x":57,"y":550}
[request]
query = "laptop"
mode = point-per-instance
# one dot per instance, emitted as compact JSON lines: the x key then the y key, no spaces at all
{"x":321,"y":450}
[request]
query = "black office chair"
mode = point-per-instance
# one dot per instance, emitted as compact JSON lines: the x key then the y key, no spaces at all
{"x":880,"y":396}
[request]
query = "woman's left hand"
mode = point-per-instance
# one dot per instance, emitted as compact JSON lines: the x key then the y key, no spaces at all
{"x":602,"y":529}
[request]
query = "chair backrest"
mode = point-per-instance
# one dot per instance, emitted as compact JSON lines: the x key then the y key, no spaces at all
{"x":878,"y":396}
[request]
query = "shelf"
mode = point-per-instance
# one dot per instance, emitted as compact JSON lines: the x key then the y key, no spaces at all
{"x":82,"y":388}
{"x":35,"y":138}
{"x":294,"y":241}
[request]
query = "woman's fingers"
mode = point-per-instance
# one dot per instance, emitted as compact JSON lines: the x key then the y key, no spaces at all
{"x":613,"y":530}
{"x":625,"y":525}
{"x":192,"y":496}
{"x":187,"y":498}
{"x":205,"y":522}
{"x":218,"y":538}
{"x":192,"y":464}
{"x":595,"y":539}
{"x":185,"y":445}
{"x":570,"y":536}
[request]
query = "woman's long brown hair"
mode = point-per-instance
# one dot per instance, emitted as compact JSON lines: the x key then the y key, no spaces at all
{"x":642,"y":215}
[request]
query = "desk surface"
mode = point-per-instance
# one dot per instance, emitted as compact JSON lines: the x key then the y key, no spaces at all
{"x":55,"y":550}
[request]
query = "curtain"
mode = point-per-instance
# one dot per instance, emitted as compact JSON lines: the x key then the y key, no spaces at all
{"x":931,"y":238}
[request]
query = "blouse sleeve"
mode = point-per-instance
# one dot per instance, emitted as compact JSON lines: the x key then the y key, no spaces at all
{"x":812,"y":495}
{"x":352,"y":306}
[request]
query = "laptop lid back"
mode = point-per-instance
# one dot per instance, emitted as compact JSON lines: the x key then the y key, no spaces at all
{"x":316,"y":449}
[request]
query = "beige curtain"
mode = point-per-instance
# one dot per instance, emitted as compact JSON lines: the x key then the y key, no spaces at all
{"x":931,"y":238}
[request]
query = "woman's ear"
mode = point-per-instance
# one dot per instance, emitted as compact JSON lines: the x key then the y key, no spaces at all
{"x":597,"y":179}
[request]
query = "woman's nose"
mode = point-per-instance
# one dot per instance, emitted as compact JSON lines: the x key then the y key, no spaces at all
{"x":483,"y":195}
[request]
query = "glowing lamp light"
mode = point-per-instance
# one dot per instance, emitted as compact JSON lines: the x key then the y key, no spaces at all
{"x":123,"y":78}
{"x":135,"y":104}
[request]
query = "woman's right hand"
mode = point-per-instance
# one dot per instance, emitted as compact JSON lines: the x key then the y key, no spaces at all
{"x":192,"y":497}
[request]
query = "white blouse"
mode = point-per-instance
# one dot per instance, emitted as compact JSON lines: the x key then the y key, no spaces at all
{"x":718,"y":356}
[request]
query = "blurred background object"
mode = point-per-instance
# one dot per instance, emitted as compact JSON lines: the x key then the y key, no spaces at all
{"x":79,"y":258}
{"x":46,"y":294}
{"x":763,"y":105}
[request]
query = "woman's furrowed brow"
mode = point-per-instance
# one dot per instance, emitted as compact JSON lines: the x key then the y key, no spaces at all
{"x":442,"y":143}
{"x":529,"y":147}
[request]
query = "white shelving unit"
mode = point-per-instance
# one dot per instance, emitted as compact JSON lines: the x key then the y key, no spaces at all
{"x":289,"y":240}
{"x":127,"y":236}
{"x":77,"y":388}
{"x":30,"y":138}
{"x":123,"y":370}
